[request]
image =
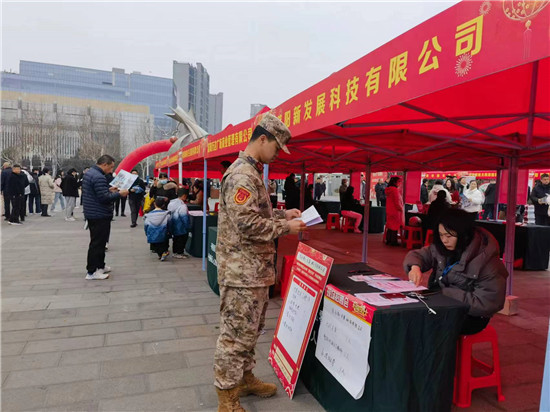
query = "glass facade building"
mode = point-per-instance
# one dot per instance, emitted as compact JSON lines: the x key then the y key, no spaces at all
{"x":113,"y":86}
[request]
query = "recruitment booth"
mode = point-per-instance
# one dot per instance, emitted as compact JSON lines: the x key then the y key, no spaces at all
{"x":468,"y":88}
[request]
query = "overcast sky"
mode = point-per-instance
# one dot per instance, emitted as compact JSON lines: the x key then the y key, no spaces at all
{"x":254,"y":52}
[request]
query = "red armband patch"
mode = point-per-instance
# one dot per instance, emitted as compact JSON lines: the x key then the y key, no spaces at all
{"x":242,"y":196}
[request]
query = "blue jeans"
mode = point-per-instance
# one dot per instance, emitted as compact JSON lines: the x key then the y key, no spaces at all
{"x":34,"y":200}
{"x":58,"y":196}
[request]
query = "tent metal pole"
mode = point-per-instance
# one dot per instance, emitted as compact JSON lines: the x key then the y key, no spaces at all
{"x":366,"y":213}
{"x":180,"y":169}
{"x":303,"y":188}
{"x":168,"y":172}
{"x":497,"y":194}
{"x":532,"y":99}
{"x":204,"y":203}
{"x":511,"y":221}
{"x":404,"y":186}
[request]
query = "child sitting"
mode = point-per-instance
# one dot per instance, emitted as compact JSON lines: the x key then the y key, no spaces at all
{"x":179,"y":223}
{"x":156,"y":227}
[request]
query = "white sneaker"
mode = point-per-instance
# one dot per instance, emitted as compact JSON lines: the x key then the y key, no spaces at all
{"x":97,"y":275}
{"x":106,"y":269}
{"x":177,"y":256}
{"x":70,"y":219}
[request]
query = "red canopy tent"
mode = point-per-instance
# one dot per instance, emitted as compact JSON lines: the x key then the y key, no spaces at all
{"x":468,"y":88}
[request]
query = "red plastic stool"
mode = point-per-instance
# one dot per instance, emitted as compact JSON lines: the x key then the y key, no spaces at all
{"x":333,"y":221}
{"x":288,"y":261}
{"x":465,"y":383}
{"x":217,"y":207}
{"x":348,"y":223}
{"x":412,"y":236}
{"x":429,"y":237}
{"x":281,"y":205}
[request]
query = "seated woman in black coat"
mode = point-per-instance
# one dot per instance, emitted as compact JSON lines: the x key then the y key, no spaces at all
{"x":352,"y":208}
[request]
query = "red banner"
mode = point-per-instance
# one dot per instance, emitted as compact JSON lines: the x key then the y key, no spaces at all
{"x":468,"y":41}
{"x":308,"y":278}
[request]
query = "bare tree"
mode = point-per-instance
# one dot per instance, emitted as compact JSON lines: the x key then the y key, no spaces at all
{"x":98,"y":135}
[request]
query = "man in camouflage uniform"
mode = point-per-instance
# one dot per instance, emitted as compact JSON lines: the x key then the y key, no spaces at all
{"x":247,"y":227}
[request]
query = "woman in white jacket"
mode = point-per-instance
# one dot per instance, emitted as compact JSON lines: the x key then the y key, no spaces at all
{"x":472,"y":198}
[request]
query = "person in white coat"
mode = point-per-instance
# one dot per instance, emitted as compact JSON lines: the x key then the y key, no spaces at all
{"x":472,"y":198}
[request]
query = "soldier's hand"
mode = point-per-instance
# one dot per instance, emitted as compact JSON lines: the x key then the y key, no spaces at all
{"x":292,"y":214}
{"x":296,"y":226}
{"x":123,"y":193}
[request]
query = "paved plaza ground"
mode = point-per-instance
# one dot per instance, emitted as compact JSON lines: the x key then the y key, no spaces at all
{"x":144,"y":339}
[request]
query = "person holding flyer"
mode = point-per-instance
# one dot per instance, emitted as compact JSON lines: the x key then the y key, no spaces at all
{"x":245,"y":250}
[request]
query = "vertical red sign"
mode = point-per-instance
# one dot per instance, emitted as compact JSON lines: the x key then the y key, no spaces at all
{"x":308,"y":278}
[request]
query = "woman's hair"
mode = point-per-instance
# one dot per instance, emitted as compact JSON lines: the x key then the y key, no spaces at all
{"x":161,"y":175}
{"x":458,"y":223}
{"x":45,"y":170}
{"x":452,"y":184}
{"x":394,"y":180}
{"x":350,"y":190}
{"x":438,"y":182}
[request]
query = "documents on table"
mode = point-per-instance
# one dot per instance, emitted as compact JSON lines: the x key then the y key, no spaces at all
{"x":310,"y":216}
{"x":368,"y":278}
{"x":395,"y":286}
{"x":376,"y":299}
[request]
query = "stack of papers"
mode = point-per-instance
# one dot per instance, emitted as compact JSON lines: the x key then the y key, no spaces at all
{"x":310,"y":216}
{"x":376,"y":300}
{"x":395,"y":286}
{"x":369,"y":278}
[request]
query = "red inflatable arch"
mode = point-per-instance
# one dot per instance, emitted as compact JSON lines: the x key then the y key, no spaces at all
{"x":143,"y":152}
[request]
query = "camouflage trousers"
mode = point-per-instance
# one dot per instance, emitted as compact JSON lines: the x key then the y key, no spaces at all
{"x":242,"y":312}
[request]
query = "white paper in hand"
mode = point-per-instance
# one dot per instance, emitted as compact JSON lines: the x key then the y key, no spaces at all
{"x":310,"y":216}
{"x":123,"y":180}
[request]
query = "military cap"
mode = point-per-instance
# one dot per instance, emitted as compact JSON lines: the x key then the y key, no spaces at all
{"x":275,"y":128}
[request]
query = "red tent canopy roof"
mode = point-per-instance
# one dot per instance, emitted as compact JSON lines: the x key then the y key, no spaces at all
{"x":467,"y":89}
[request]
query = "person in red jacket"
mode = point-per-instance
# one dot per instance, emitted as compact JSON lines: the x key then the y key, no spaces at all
{"x":451,"y":188}
{"x":395,"y":215}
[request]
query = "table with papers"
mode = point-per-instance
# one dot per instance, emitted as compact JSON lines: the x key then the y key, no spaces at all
{"x":411,"y":354}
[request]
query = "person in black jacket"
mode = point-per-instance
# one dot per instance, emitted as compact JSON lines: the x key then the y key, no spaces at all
{"x":98,"y":210}
{"x":135,"y":198}
{"x":292,"y":193}
{"x":489,"y":204}
{"x":15,"y":187}
{"x":380,"y":190}
{"x":69,"y":187}
{"x":539,"y":196}
{"x":34,"y":196}
{"x":424,"y":197}
{"x":6,"y":173}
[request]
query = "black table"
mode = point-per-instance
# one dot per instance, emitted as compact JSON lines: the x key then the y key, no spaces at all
{"x":194,"y":243}
{"x":411,"y":355}
{"x":532,"y":242}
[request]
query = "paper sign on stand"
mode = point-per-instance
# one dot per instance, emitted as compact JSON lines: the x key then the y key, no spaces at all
{"x":308,"y":278}
{"x":343,"y":340}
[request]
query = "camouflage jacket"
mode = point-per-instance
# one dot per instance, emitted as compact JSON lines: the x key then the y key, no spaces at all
{"x":247,"y":226}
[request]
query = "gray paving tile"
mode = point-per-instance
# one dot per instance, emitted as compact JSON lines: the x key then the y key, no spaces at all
{"x":15,"y":348}
{"x":72,"y":321}
{"x":75,"y":392}
{"x":179,"y":345}
{"x":143,"y":364}
{"x":183,"y":399}
{"x":50,"y":376}
{"x":143,"y":314}
{"x":99,"y":354}
{"x":140,"y":336}
{"x":23,"y":399}
{"x":35,"y":361}
{"x":103,"y":328}
{"x":178,"y":378}
{"x":173,"y":322}
{"x":37,"y":334}
{"x":54,"y":345}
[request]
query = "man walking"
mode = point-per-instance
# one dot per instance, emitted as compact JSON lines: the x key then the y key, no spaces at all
{"x":15,"y":187}
{"x":98,"y":201}
{"x":135,"y":198}
{"x":6,"y":173}
{"x":34,"y":197}
{"x":380,"y":190}
{"x":245,"y":250}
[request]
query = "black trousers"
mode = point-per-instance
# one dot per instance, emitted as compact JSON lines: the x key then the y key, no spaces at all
{"x":34,"y":200}
{"x":99,"y":235}
{"x":135,"y":204}
{"x":17,"y":203}
{"x":473,"y":325}
{"x":160,"y":248}
{"x":178,"y":244}
{"x":543,"y":220}
{"x":7,"y":207}
{"x":44,"y":209}
{"x":120,"y":203}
